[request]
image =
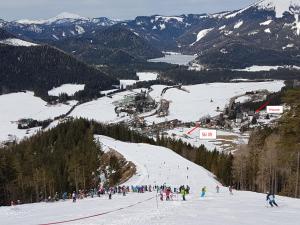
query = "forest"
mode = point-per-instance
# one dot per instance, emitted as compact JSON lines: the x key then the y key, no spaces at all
{"x":270,"y":161}
{"x":190,"y":77}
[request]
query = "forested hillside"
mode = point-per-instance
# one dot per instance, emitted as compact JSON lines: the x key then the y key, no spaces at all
{"x":270,"y":162}
{"x":190,"y":77}
{"x":40,"y":68}
{"x":110,"y":45}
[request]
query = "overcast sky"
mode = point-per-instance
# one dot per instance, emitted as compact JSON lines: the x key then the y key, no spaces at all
{"x":116,"y":9}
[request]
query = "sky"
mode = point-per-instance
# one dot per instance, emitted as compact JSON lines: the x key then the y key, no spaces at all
{"x":115,"y":9}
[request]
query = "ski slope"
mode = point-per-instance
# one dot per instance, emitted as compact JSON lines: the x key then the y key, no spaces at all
{"x":24,"y":105}
{"x":158,"y":164}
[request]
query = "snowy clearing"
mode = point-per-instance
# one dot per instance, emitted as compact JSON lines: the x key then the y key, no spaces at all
{"x":238,"y":24}
{"x":256,"y":68}
{"x":158,"y":164}
{"x":201,"y":35}
{"x":17,"y":42}
{"x":147,"y":76}
{"x":69,"y":89}
{"x":24,"y":106}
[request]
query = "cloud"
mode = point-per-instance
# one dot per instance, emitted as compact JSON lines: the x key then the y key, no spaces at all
{"x":121,"y":9}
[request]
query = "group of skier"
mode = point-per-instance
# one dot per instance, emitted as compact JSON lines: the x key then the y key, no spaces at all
{"x":170,"y":193}
{"x":163,"y":191}
{"x":101,"y":191}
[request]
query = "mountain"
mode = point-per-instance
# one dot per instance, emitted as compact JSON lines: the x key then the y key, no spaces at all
{"x":114,"y":44}
{"x":165,"y":31}
{"x":265,"y":33}
{"x":59,"y":27}
{"x":29,"y":66}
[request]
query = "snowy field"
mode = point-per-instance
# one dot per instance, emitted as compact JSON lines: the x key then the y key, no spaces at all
{"x":266,"y":68}
{"x":158,"y":164}
{"x":147,"y":76}
{"x":69,"y":89}
{"x":103,"y":109}
{"x":22,"y":105}
{"x":197,"y":103}
{"x":178,"y":59}
{"x":226,"y":141}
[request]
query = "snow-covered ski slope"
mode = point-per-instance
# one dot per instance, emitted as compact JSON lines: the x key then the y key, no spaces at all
{"x":158,"y":165}
{"x":161,"y":165}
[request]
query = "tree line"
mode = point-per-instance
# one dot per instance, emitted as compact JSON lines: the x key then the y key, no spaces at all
{"x":270,"y":162}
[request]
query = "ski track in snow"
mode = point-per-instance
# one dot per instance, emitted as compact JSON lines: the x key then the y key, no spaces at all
{"x":161,"y":164}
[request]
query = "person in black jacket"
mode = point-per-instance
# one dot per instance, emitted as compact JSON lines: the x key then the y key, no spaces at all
{"x":271,"y":199}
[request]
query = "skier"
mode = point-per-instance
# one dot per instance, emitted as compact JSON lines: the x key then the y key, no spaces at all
{"x":74,"y":196}
{"x":110,"y":193}
{"x":124,"y":191}
{"x":168,"y":193}
{"x":271,"y":199}
{"x":230,"y":190}
{"x":65,"y":195}
{"x":218,"y":189}
{"x":161,"y":194}
{"x":203,"y":192}
{"x":188,"y":189}
{"x":56,"y":198}
{"x":183,"y":193}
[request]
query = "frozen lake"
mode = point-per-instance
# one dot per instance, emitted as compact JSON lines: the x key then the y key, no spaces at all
{"x":175,"y":58}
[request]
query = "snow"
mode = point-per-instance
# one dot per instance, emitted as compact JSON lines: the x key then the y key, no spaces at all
{"x":168,"y":18}
{"x":125,"y":83}
{"x":280,"y":6}
{"x":297,"y":24}
{"x":108,"y":91}
{"x":54,"y":36}
{"x":162,"y":26}
{"x":17,"y":42}
{"x":147,"y":76}
{"x":155,"y":161}
{"x":288,"y":46}
{"x":238,"y":24}
{"x":234,"y":14}
{"x":201,"y":35}
{"x":226,"y":141}
{"x":222,"y":27}
{"x":266,"y":23}
{"x":24,"y":106}
{"x":102,"y":109}
{"x":267,"y":30}
{"x":69,"y":89}
{"x":157,"y":165}
{"x":79,"y":29}
{"x":192,"y":106}
{"x":256,"y":68}
{"x":61,"y":16}
{"x":178,"y":59}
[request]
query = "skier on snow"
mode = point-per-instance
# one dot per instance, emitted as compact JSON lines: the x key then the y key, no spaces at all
{"x":271,"y":199}
{"x":74,"y":196}
{"x":203,"y":191}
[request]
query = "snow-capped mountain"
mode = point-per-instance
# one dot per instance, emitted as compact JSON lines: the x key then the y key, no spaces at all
{"x":234,"y":39}
{"x":62,"y":17}
{"x":280,"y":7}
{"x":264,"y":33}
{"x":59,"y":27}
